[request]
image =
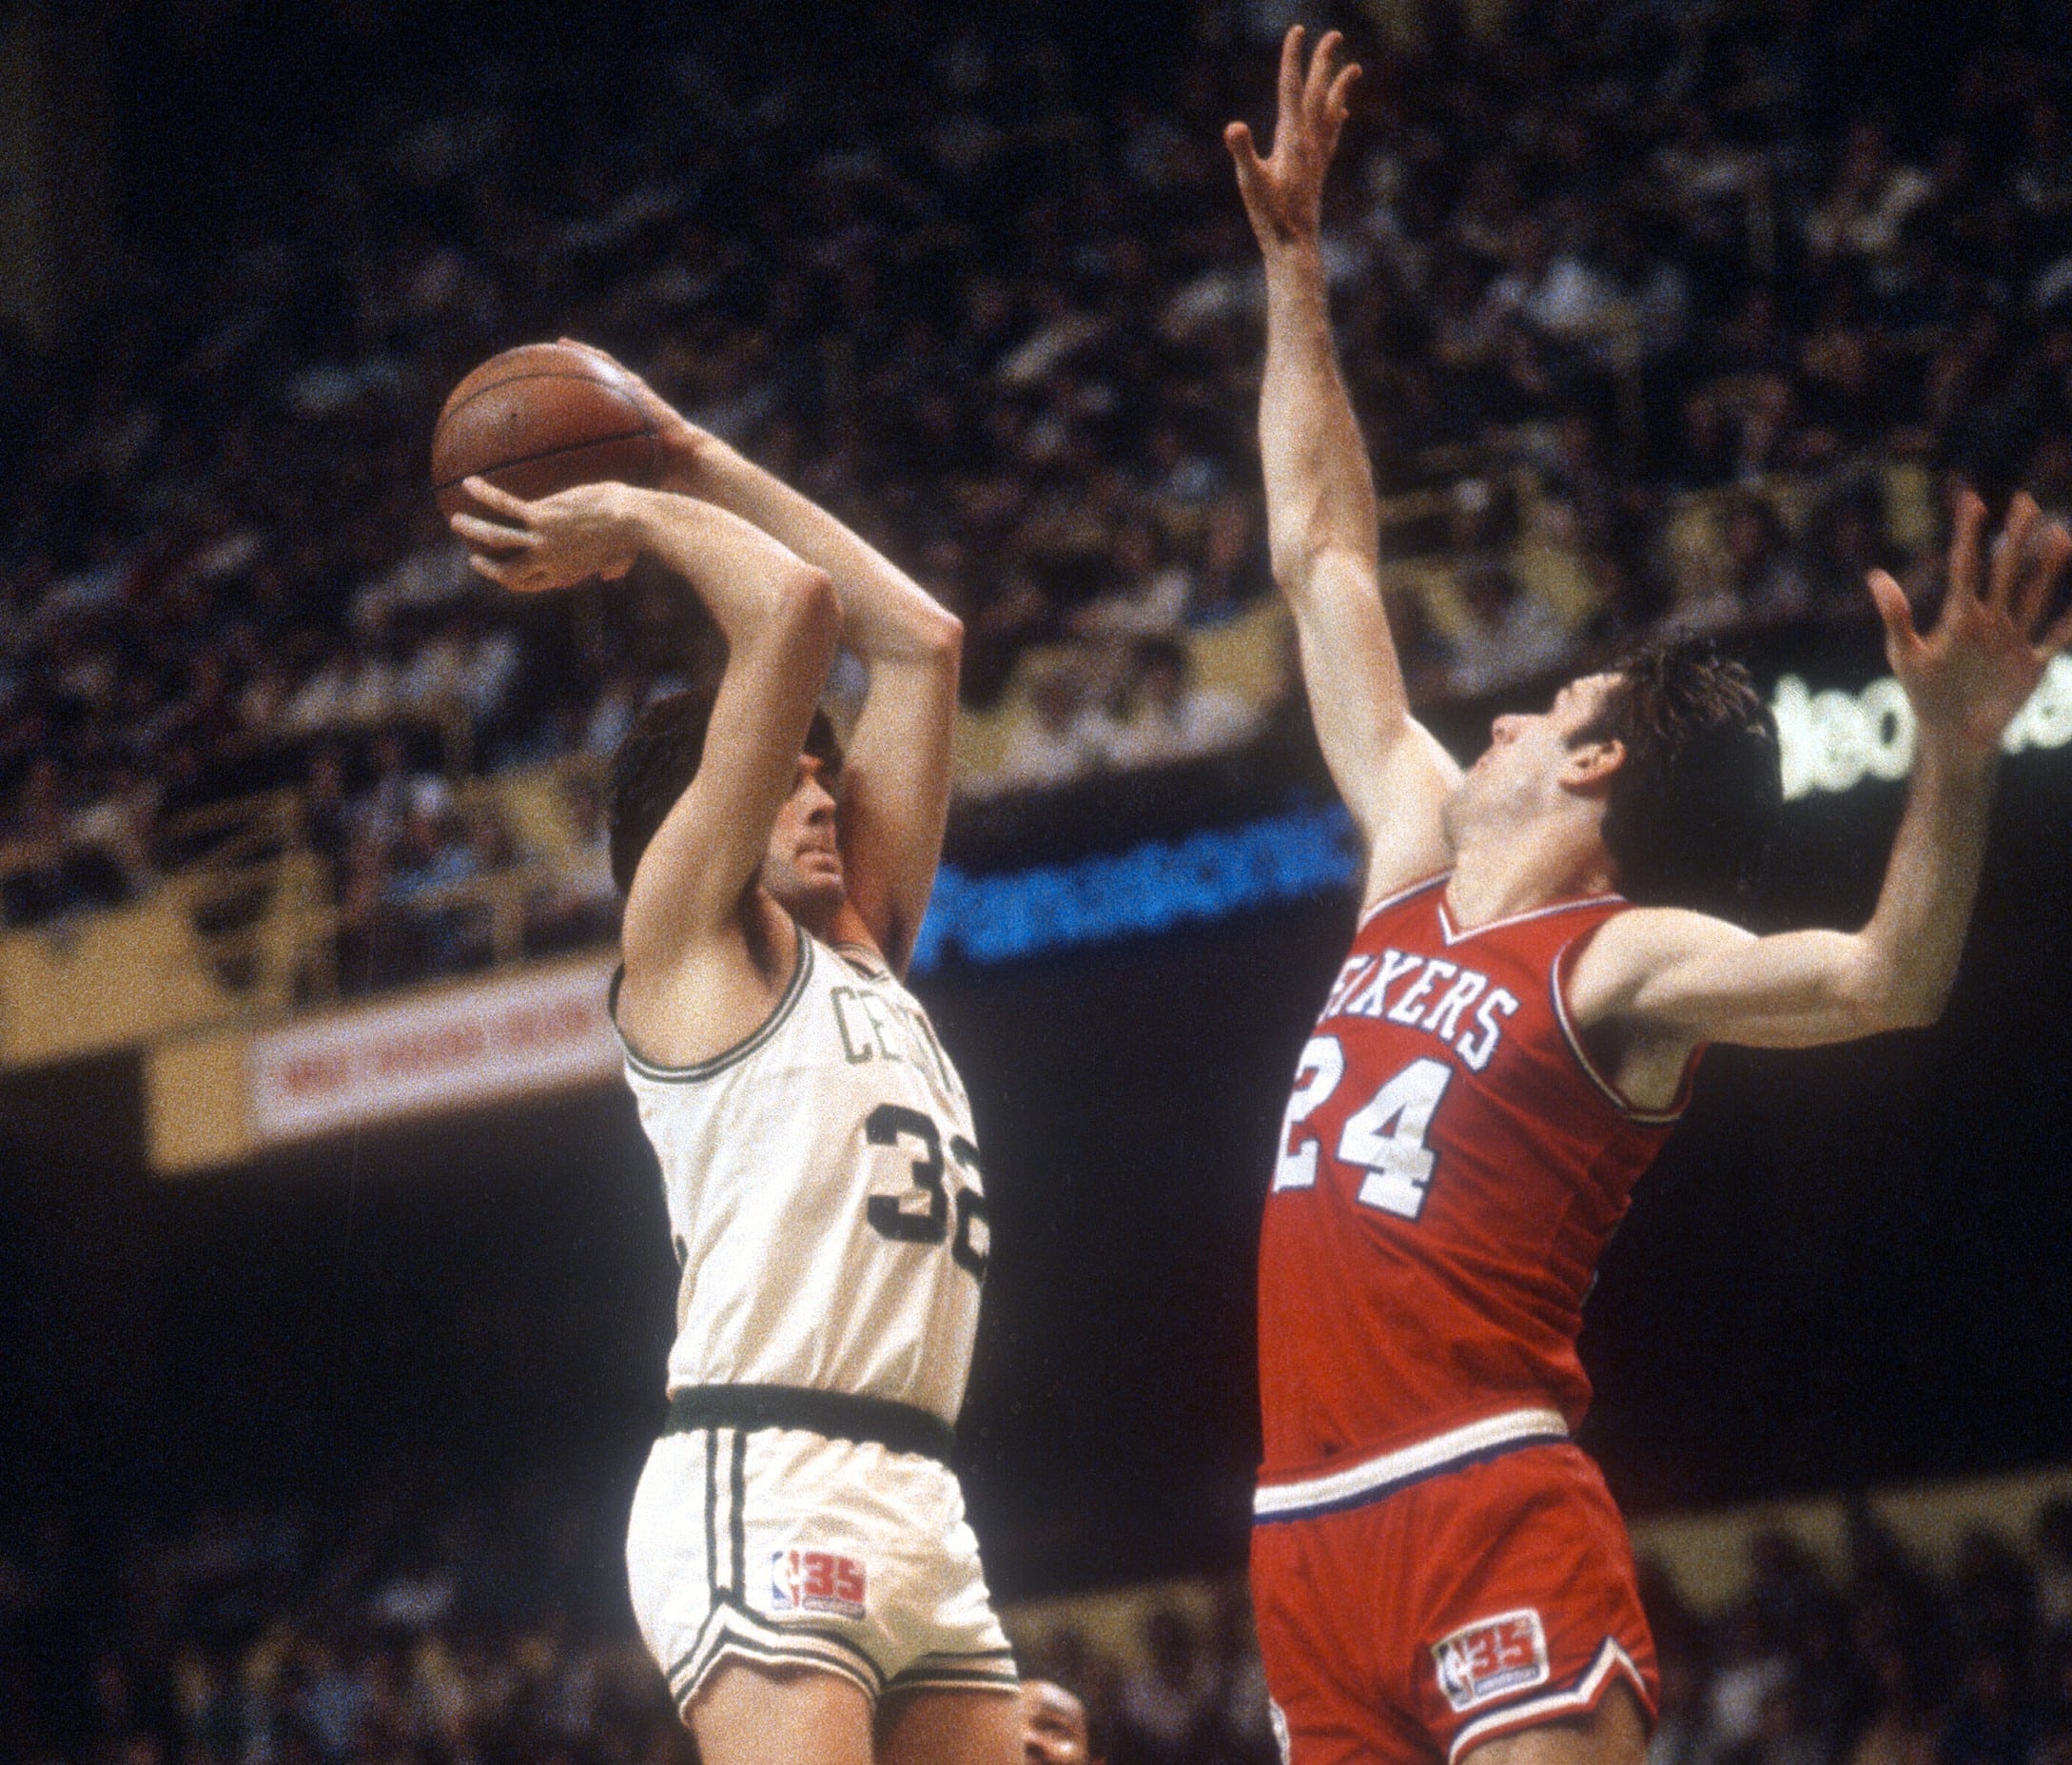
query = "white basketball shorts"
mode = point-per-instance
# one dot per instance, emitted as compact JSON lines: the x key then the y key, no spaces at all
{"x":785,"y":1548}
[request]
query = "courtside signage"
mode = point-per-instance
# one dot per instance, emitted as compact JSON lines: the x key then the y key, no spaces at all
{"x":538,"y":1031}
{"x":1158,"y":886}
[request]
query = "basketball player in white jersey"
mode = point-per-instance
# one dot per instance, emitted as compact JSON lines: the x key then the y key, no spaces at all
{"x":799,"y":1559}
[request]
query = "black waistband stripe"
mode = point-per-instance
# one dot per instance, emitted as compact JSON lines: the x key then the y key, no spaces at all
{"x":839,"y":1415}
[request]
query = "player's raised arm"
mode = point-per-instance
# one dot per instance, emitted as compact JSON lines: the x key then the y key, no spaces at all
{"x":781,"y":621}
{"x":1322,"y":519}
{"x":1696,"y":979}
{"x":895,"y":774}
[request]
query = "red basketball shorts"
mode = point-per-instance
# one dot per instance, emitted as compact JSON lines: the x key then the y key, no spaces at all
{"x":1450,"y":1611}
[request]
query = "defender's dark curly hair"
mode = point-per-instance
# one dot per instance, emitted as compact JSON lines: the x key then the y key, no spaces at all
{"x":1690,"y":815}
{"x":658,"y":758}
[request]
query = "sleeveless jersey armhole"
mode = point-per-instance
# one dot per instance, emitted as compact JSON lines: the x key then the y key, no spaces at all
{"x":1557,"y":983}
{"x":867,"y":957}
{"x":801,"y":966}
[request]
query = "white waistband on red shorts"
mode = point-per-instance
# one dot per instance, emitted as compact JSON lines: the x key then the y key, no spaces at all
{"x":1372,"y":1479}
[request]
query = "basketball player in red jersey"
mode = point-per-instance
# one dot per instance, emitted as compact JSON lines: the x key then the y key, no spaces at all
{"x":1438,"y":1571}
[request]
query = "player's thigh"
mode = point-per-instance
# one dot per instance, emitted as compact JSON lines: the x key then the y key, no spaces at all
{"x":951,"y":1728}
{"x":746,"y":1715}
{"x":1612,"y":1734}
{"x":1493,"y":1601}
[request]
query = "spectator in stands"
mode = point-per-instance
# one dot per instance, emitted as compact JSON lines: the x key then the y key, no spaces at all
{"x":1768,"y":586}
{"x":1166,"y":1711}
{"x":443,"y":849}
{"x":45,"y":870}
{"x":1509,"y":637}
{"x":370,"y":944}
{"x":1866,"y":210}
{"x":1992,"y":1721}
{"x":1057,"y":739}
{"x":1026,"y":359}
{"x":328,"y":814}
{"x":1900,"y":1729}
{"x":1168,"y":717}
{"x":1054,"y":1726}
{"x":1846,"y":540}
{"x":580,"y":906}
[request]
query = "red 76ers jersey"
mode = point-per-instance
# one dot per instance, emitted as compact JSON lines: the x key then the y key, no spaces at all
{"x":1450,"y":1168}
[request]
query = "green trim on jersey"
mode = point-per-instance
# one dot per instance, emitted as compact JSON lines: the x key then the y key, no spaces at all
{"x":740,"y":1050}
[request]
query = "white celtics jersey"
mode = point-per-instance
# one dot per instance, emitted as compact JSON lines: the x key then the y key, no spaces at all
{"x":824,"y":1195}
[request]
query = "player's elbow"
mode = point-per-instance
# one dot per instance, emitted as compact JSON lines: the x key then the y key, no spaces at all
{"x":1918,"y":1009}
{"x":1888,"y":996}
{"x":809,"y":602}
{"x":939,"y":636}
{"x":807,"y":619}
{"x":1291,"y":560}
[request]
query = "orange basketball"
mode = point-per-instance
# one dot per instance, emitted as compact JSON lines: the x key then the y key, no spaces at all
{"x":539,"y":419}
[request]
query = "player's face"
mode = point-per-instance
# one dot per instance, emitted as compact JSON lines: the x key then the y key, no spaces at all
{"x":803,"y":867}
{"x":1053,"y":1725}
{"x":1529,"y":752}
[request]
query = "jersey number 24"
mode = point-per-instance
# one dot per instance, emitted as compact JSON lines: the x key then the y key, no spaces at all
{"x":1385,"y":1138}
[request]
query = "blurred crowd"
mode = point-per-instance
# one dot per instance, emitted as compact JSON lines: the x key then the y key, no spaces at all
{"x":1657,"y":313}
{"x":488,"y":1631}
{"x":494,"y":1631}
{"x":1888,"y":1665}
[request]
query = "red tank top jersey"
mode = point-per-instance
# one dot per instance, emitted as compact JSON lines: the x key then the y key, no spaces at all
{"x":1450,"y":1168}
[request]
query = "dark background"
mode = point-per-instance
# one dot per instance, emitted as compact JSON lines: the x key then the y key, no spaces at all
{"x":1846,"y":1270}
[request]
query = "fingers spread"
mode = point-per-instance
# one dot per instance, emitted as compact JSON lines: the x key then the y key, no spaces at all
{"x":1965,"y":545}
{"x":476,"y":531}
{"x":2013,"y":548}
{"x":1339,"y":105}
{"x":2040,"y":582}
{"x":1291,"y":75}
{"x":490,"y":497}
{"x":2054,"y":640}
{"x":496,"y":569}
{"x":1892,"y":607}
{"x":1316,"y":85}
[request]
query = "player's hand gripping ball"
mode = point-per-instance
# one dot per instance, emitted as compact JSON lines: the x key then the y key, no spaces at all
{"x":540,"y":419}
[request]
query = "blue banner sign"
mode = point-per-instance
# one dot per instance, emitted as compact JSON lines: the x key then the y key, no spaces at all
{"x":1154,"y":887}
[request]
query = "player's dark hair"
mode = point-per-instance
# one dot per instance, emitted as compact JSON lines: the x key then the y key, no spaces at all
{"x":660,"y":756}
{"x":1690,"y":815}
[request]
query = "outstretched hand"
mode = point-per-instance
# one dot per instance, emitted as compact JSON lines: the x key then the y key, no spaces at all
{"x":555,"y":542}
{"x":1283,"y":193}
{"x":1969,"y":674}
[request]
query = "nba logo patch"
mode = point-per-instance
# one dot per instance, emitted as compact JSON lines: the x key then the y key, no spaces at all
{"x":1490,"y":1657}
{"x":804,"y":1581}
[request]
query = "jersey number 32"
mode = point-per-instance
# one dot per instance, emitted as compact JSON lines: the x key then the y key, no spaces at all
{"x":1385,"y":1138}
{"x":899,"y":1218}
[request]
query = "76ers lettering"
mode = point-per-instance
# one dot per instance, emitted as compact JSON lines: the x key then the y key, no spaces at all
{"x":1385,"y":1138}
{"x":1435,"y":995}
{"x":1489,"y":1659}
{"x":816,"y":1582}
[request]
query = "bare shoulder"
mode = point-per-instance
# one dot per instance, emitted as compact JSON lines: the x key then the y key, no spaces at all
{"x":714,"y":994}
{"x":1630,"y":948}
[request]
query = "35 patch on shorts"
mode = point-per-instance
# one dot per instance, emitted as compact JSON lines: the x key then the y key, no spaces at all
{"x":803,"y":1581}
{"x":1490,"y":1657}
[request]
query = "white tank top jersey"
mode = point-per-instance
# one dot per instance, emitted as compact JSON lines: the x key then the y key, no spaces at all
{"x":824,"y":1195}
